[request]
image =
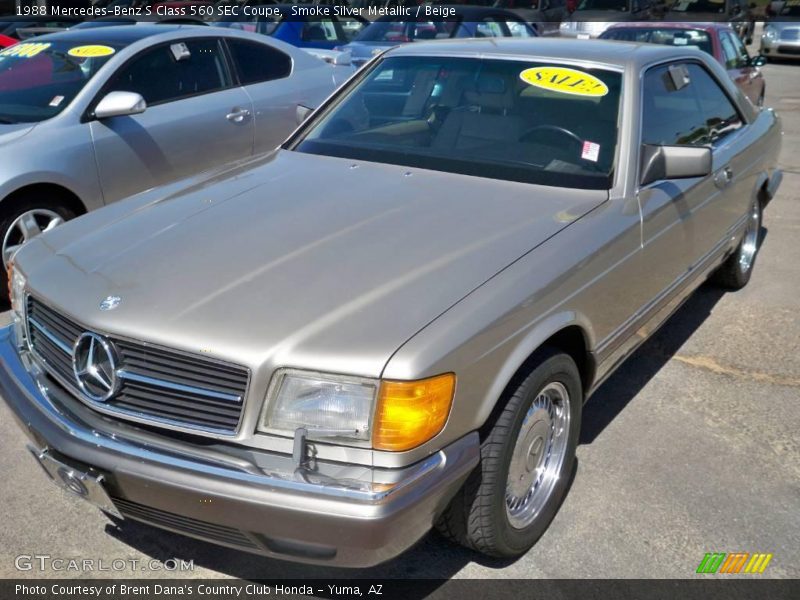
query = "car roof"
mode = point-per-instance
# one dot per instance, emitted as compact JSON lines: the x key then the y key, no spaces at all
{"x":120,"y":34}
{"x":606,"y":52}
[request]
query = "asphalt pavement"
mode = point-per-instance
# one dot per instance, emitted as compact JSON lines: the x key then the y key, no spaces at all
{"x":693,"y":446}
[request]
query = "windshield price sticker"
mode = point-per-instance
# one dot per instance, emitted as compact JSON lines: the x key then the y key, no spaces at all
{"x":590,"y":151}
{"x":27,"y":50}
{"x":91,"y":51}
{"x":565,"y":81}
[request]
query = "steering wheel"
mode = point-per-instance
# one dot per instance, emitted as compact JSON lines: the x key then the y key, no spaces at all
{"x":555,"y":129}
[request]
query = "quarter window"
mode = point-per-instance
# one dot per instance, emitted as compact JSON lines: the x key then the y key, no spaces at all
{"x":174,"y":71}
{"x":695,"y":114}
{"x":256,"y":63}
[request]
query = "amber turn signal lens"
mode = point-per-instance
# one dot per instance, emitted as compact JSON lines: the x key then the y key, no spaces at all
{"x":409,"y":413}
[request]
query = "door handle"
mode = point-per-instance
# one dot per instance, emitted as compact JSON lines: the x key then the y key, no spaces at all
{"x":723,"y":177}
{"x":237,"y":115}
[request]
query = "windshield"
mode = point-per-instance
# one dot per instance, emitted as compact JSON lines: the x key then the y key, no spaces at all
{"x":666,"y":36}
{"x":39,"y":79}
{"x":399,"y":32}
{"x":699,"y":6}
{"x":502,"y":119}
{"x":620,"y":5}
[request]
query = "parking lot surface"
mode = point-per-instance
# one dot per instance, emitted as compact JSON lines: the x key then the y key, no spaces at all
{"x":693,"y":446}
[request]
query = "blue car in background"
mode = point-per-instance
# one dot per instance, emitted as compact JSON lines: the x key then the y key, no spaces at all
{"x":279,"y":22}
{"x":461,"y":22}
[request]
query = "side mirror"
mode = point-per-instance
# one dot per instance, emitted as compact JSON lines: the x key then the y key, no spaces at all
{"x":120,"y":104}
{"x":343,"y":59}
{"x":757,"y":61}
{"x":302,"y":113}
{"x":674,"y":162}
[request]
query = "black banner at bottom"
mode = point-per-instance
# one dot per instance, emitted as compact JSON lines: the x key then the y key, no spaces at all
{"x":397,"y":589}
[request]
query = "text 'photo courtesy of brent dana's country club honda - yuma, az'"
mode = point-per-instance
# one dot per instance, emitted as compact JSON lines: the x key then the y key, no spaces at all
{"x":312,"y":284}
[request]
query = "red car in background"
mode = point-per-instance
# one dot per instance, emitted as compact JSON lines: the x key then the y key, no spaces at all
{"x":717,"y":39}
{"x":6,"y":41}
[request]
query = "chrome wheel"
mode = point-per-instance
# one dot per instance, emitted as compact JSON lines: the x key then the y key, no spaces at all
{"x":747,"y":252}
{"x":538,"y":455}
{"x":26,"y":227}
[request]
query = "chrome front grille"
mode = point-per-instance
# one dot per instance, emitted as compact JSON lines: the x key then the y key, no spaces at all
{"x":790,"y":35}
{"x":156,"y":385}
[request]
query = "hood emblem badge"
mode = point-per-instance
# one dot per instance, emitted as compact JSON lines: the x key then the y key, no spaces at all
{"x":110,"y":303}
{"x":94,"y":367}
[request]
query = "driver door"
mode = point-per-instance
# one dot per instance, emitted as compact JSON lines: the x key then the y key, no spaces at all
{"x":195,"y":119}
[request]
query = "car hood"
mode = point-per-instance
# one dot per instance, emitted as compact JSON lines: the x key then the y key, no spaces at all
{"x":297,"y":259}
{"x":12,"y":132}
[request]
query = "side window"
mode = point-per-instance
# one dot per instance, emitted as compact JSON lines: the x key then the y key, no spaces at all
{"x":742,"y":56}
{"x":258,"y":62}
{"x":489,"y":27}
{"x":729,"y":51}
{"x":671,"y":116}
{"x":720,"y":114}
{"x":174,"y":71}
{"x":696,"y":114}
{"x":518,"y":29}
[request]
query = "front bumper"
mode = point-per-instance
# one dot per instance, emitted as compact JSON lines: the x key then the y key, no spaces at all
{"x":261,"y":505}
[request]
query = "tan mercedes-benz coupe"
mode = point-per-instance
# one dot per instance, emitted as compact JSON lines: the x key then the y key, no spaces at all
{"x":392,"y":322}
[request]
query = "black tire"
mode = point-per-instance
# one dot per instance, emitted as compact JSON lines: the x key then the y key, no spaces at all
{"x":20,"y":205}
{"x":477,"y":516}
{"x":731,"y":274}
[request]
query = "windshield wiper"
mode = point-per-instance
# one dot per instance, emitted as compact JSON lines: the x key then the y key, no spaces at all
{"x":7,"y":121}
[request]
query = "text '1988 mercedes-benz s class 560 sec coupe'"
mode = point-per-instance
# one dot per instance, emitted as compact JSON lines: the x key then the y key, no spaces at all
{"x":392,"y":322}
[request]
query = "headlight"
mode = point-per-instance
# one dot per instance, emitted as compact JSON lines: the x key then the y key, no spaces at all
{"x":407,"y":413}
{"x":16,"y":290}
{"x":770,"y":33}
{"x":326,"y":405}
{"x":16,"y":294}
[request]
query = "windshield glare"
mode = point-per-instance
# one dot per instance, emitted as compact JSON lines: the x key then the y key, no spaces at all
{"x":666,"y":36}
{"x":501,"y":119}
{"x":39,"y":79}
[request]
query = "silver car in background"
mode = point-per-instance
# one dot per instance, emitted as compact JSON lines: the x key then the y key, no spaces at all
{"x":781,"y":35}
{"x":325,"y":376}
{"x":90,"y":116}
